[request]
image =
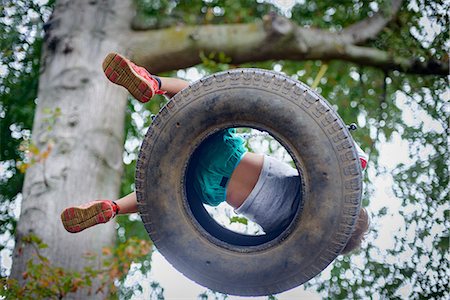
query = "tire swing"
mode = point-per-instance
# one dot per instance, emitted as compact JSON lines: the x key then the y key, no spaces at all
{"x":323,"y":152}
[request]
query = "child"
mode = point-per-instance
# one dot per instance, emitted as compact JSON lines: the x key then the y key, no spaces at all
{"x":253,"y":184}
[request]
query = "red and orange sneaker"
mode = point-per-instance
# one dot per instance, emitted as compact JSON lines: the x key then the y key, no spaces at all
{"x":78,"y":218}
{"x":137,"y":80}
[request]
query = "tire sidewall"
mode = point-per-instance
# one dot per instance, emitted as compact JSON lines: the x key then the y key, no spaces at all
{"x":314,"y":135}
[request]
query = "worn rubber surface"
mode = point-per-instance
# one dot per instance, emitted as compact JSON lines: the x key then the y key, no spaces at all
{"x":321,"y":147}
{"x":79,"y":218}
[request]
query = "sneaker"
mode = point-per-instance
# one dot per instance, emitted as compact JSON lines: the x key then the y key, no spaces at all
{"x":137,"y":80}
{"x":78,"y":218}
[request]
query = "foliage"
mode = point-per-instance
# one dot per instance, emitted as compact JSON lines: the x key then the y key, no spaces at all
{"x":210,"y":295}
{"x":163,"y":13}
{"x":237,"y":219}
{"x":44,"y":280}
{"x":215,"y":61}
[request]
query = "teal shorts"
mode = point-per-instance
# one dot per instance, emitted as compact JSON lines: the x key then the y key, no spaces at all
{"x":214,"y":162}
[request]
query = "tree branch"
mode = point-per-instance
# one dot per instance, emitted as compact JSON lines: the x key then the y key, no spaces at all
{"x":370,"y":27}
{"x":385,"y":61}
{"x":273,"y":38}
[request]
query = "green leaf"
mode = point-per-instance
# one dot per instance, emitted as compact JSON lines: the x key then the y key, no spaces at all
{"x":443,"y":243}
{"x":240,"y":220}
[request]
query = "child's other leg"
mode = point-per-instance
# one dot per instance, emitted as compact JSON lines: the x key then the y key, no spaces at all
{"x":79,"y":218}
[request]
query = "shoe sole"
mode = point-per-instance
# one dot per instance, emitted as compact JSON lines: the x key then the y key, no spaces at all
{"x":76,"y":219}
{"x":119,"y":71}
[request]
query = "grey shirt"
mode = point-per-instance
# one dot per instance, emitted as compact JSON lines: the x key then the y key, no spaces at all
{"x":272,"y":201}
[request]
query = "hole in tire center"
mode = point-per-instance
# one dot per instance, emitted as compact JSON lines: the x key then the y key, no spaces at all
{"x":260,"y":144}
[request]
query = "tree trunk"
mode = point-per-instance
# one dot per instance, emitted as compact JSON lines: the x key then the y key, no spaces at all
{"x":85,"y":162}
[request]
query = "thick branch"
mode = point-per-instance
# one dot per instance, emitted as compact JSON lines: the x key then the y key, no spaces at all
{"x":384,"y":60}
{"x":370,"y":27}
{"x":274,"y":38}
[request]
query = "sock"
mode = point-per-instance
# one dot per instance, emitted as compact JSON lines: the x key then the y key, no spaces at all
{"x":159,"y":81}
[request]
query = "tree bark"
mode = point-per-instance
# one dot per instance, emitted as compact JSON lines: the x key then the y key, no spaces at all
{"x":85,"y":162}
{"x":274,"y":38}
{"x":370,"y":27}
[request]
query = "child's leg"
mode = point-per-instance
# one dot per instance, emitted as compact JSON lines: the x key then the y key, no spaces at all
{"x":79,"y":218}
{"x":137,"y":80}
{"x":127,"y":204}
{"x":143,"y":86}
{"x":172,"y":85}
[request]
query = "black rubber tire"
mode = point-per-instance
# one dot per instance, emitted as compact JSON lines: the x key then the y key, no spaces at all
{"x":321,"y":146}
